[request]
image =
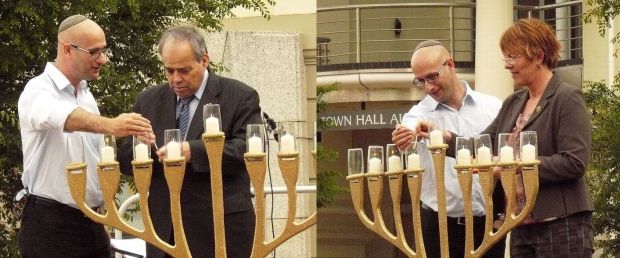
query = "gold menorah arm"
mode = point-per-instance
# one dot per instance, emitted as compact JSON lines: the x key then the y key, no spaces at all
{"x":256,"y":165}
{"x":214,"y":143}
{"x":485,"y":174}
{"x":507,"y":174}
{"x":438,"y":153}
{"x":414,"y":181}
{"x":395,"y":181}
{"x":109,"y":175}
{"x":289,"y":165}
{"x":356,"y":186}
{"x":529,"y":171}
{"x":465,"y":181}
{"x":508,"y":177}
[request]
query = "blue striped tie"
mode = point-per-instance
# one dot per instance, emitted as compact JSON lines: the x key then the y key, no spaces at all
{"x":184,"y":115}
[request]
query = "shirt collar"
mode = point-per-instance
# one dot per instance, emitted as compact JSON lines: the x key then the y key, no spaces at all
{"x":470,"y":97}
{"x":59,"y":79}
{"x":203,"y":86}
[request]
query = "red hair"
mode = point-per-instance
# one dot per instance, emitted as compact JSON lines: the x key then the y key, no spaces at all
{"x":532,"y":37}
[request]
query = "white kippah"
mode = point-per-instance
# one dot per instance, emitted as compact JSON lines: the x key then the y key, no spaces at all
{"x":71,"y":21}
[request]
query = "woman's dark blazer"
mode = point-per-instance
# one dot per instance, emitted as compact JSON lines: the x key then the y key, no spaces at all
{"x":564,"y":132}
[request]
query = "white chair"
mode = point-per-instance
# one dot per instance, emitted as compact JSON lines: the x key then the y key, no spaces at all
{"x":131,"y":247}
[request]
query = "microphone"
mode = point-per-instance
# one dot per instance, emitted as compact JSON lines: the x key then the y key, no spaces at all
{"x":271,"y":126}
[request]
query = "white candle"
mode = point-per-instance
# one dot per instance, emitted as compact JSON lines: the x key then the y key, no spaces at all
{"x":413,"y":161}
{"x":173,"y":150}
{"x":394,"y":163}
{"x":436,"y":137}
{"x":463,"y":157}
{"x":484,"y":155}
{"x":212,"y":125}
{"x":107,"y":154}
{"x":528,"y":153}
{"x":255,"y":145}
{"x":287,"y":143}
{"x":374,"y":165}
{"x":142,"y":152}
{"x":506,"y":154}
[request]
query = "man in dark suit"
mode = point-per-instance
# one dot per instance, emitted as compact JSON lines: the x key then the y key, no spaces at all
{"x":186,"y":62}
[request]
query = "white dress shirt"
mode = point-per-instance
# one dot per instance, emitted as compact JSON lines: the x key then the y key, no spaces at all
{"x":43,"y":107}
{"x":194,"y":103}
{"x":477,"y":111}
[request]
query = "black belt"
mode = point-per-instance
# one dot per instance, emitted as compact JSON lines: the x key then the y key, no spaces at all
{"x":46,"y":202}
{"x":455,"y":220}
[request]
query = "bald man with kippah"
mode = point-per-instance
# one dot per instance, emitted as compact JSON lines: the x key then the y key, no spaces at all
{"x":452,"y":102}
{"x":56,"y":105}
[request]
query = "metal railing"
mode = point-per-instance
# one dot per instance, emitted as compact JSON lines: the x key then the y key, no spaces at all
{"x":388,"y":32}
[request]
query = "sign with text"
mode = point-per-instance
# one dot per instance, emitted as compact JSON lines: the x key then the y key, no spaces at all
{"x":364,"y":119}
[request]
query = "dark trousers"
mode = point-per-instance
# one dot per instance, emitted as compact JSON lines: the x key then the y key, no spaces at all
{"x":50,"y":229}
{"x":571,"y":236}
{"x":456,"y":236}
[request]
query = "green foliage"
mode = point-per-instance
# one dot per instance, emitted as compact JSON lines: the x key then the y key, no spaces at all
{"x":327,"y":187}
{"x":603,"y":12}
{"x":603,"y":177}
{"x":604,"y":103}
{"x":28,"y":34}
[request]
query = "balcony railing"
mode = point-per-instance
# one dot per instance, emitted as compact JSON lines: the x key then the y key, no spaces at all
{"x":387,"y":33}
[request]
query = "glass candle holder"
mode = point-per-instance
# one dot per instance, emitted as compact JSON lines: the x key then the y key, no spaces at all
{"x":212,"y":117}
{"x":108,"y":150}
{"x":529,"y":146}
{"x":355,"y":162}
{"x":375,"y":159}
{"x":394,"y":158}
{"x":173,"y":141}
{"x":255,"y":134}
{"x":484,"y":148}
{"x":464,"y":150}
{"x":141,"y":150}
{"x":435,"y":130}
{"x":505,"y":147}
{"x":75,"y":149}
{"x":412,"y":162}
{"x":287,"y":137}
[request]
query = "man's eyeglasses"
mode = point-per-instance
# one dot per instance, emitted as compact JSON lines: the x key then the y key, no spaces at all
{"x":431,"y":78}
{"x":510,"y":60}
{"x":94,"y":53}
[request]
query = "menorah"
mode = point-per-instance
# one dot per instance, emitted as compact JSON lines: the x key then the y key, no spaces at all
{"x":509,"y":170}
{"x":174,"y":168}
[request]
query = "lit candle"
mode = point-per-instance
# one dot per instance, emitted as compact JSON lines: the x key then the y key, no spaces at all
{"x":212,"y":125}
{"x":255,"y":145}
{"x":413,"y":161}
{"x":287,"y":143}
{"x":436,"y":137}
{"x":506,"y":154}
{"x":484,"y":155}
{"x":394,"y":163}
{"x":107,"y":154}
{"x":528,"y":153}
{"x":463,"y":157}
{"x":374,"y":165}
{"x":173,"y":150}
{"x":142,"y":152}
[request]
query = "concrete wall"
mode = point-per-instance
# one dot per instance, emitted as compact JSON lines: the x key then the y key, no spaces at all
{"x":273,"y":64}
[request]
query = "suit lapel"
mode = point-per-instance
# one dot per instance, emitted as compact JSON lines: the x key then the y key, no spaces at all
{"x":544,"y":100}
{"x":209,"y":95}
{"x":167,"y":110}
{"x":514,"y":112}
